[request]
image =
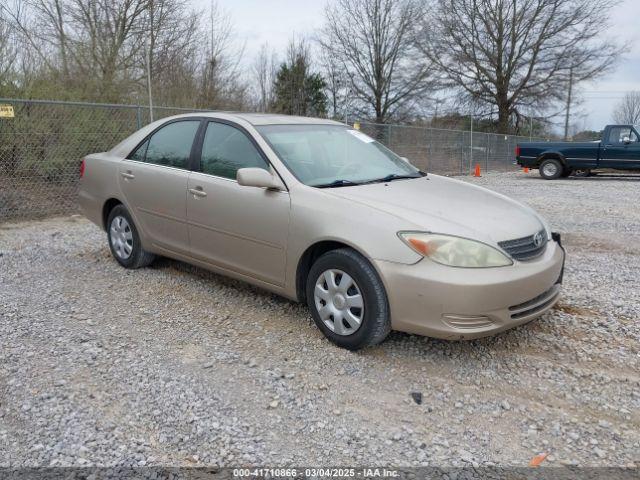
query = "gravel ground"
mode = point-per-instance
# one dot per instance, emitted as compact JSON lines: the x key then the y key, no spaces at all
{"x":173,"y":365}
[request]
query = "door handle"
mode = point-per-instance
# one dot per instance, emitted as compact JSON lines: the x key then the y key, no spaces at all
{"x":128,"y":175}
{"x":198,"y":192}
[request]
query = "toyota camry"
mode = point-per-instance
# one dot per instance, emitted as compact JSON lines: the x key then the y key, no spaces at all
{"x":321,"y":213}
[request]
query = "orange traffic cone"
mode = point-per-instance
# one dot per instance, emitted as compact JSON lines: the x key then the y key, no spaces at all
{"x":477,"y":172}
{"x":526,"y":169}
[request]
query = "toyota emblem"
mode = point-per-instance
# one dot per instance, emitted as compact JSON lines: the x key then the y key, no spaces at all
{"x":538,"y":239}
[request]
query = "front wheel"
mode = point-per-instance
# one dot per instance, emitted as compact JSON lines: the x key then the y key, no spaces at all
{"x":551,"y":169}
{"x":347,"y":300}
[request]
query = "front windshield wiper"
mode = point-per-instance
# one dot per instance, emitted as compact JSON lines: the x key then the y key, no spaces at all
{"x":337,"y":183}
{"x":395,"y":176}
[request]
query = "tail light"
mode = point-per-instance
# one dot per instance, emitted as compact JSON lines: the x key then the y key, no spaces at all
{"x":82,"y":167}
{"x":517,"y":150}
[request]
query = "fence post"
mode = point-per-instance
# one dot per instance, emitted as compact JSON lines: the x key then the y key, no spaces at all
{"x":430,"y":154}
{"x":486,"y":158}
{"x":471,"y":146}
{"x":138,"y":117}
{"x":462,"y":149}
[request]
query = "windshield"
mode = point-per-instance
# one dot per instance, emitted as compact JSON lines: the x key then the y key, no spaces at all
{"x":334,"y":155}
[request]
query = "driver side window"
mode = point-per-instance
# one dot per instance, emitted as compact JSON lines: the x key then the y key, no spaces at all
{"x":619,"y":134}
{"x":226,"y":149}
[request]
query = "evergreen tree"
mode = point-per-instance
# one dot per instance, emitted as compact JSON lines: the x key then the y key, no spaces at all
{"x":298,"y":91}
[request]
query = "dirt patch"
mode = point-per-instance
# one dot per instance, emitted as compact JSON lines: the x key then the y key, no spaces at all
{"x":576,"y":310}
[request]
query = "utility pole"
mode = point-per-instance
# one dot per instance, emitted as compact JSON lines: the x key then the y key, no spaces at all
{"x":346,"y":98}
{"x":149,"y":82}
{"x":347,"y":79}
{"x":148,"y":53}
{"x":568,"y":111}
{"x":530,"y":128}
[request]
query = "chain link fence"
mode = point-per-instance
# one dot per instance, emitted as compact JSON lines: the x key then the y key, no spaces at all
{"x":42,"y":145}
{"x":448,"y":152}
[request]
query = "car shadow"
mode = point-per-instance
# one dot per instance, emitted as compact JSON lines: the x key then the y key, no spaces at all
{"x":183,"y":268}
{"x":593,"y":178}
{"x":607,"y":177}
{"x":411,"y":346}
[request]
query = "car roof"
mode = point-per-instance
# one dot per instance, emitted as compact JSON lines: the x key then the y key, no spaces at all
{"x":269,"y":118}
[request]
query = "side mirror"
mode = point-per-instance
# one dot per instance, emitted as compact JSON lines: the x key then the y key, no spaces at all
{"x":626,"y":140}
{"x":258,"y":177}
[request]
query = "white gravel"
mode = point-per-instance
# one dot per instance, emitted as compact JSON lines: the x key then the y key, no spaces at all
{"x":172,"y":365}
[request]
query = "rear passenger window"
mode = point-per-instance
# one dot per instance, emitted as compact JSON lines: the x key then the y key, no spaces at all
{"x":226,"y":149}
{"x":170,"y":146}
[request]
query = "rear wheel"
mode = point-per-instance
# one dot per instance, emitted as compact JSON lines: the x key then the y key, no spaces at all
{"x":550,"y":169}
{"x":347,"y":300}
{"x":124,"y":241}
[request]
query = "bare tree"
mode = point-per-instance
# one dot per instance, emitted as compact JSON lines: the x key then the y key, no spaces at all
{"x":173,"y":37}
{"x":8,"y":53}
{"x":42,"y":27}
{"x":337,"y":85}
{"x":264,"y":70}
{"x":374,"y":42}
{"x":517,"y":55}
{"x":220,"y":85}
{"x":627,"y":111}
{"x":113,"y":50}
{"x":87,"y":45}
{"x":112,"y":31}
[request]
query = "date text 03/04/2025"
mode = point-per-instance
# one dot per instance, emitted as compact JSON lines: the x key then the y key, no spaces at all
{"x":315,"y":472}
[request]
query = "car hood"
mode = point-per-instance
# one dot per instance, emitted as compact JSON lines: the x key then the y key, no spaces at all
{"x":444,"y":205}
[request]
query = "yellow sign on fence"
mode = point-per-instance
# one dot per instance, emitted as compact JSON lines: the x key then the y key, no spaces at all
{"x":6,"y":111}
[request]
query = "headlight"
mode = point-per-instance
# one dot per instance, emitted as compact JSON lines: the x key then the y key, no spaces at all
{"x":455,"y":251}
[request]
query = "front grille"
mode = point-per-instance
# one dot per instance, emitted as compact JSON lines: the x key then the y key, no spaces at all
{"x":525,"y":248}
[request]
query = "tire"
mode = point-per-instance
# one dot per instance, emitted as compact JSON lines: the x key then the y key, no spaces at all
{"x":550,"y":169}
{"x":582,"y":173}
{"x":374,"y":316}
{"x":124,"y":241}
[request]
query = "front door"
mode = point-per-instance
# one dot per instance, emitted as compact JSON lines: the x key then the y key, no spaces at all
{"x":154,"y":182}
{"x":242,"y":229}
{"x":621,"y":149}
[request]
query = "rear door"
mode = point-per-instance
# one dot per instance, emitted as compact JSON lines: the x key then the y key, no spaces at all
{"x":154,"y":181}
{"x":242,"y":229}
{"x":621,"y":148}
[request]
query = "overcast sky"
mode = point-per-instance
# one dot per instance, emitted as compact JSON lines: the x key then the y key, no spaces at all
{"x":275,"y":21}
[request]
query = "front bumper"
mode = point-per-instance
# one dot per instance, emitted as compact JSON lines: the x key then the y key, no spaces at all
{"x":460,"y":303}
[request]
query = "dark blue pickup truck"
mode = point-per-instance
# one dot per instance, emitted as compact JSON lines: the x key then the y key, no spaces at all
{"x":619,"y":149}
